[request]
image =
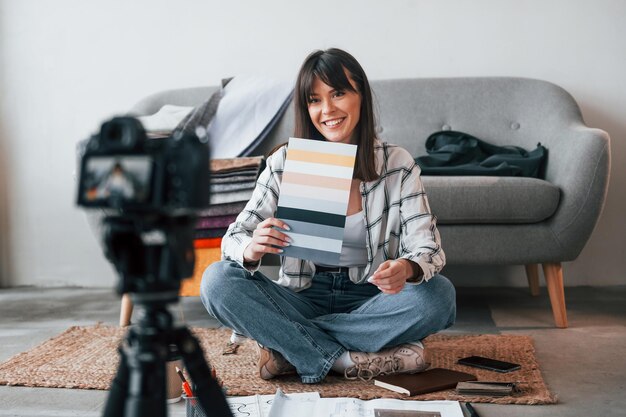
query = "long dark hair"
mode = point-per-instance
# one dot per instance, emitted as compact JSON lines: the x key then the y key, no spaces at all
{"x":330,"y":66}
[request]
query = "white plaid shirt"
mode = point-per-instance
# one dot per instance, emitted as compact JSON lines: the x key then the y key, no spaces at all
{"x":398,"y":220}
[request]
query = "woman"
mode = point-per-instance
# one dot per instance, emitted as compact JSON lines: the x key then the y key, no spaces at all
{"x":366,"y":316}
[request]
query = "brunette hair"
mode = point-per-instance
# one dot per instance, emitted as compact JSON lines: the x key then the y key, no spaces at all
{"x":330,"y":67}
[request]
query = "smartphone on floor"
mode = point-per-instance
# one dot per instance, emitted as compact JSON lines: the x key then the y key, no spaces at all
{"x":488,"y":363}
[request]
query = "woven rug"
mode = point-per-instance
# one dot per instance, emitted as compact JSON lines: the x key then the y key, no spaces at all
{"x":86,"y":358}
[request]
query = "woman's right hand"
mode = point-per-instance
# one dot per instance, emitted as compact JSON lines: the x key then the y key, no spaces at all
{"x":266,"y":239}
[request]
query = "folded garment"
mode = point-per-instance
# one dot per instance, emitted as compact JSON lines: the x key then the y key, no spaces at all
{"x":235,"y":178}
{"x":204,"y":257}
{"x":250,"y":149}
{"x":223,"y":209}
{"x":233,"y":164}
{"x":250,"y":105}
{"x":231,"y":174}
{"x":228,"y":187}
{"x":212,"y":242}
{"x":166,"y":119}
{"x":210,"y":233}
{"x":236,"y":118}
{"x":231,"y":197}
{"x":209,"y":222}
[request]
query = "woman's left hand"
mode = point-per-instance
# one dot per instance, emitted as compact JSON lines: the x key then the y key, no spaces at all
{"x":391,"y":275}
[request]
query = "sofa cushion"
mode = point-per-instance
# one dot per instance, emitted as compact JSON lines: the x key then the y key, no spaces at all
{"x":490,"y":200}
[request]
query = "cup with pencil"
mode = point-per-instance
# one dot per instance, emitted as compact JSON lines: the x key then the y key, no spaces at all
{"x":192,"y":405}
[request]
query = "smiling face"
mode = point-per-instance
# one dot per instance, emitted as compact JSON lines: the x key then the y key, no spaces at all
{"x":335,"y":113}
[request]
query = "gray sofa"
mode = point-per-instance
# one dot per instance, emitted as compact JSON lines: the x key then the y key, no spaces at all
{"x":489,"y":220}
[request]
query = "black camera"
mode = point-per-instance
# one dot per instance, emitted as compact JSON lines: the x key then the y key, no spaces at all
{"x":123,"y":169}
{"x":151,"y":190}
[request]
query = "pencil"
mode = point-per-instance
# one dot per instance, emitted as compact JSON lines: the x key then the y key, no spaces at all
{"x":186,"y":386}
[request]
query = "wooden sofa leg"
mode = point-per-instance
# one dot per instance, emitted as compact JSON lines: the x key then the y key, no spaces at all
{"x":126,"y":311}
{"x":554,"y":281}
{"x":532,"y":274}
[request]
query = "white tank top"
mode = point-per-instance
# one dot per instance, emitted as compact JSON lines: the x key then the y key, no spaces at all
{"x":354,"y":251}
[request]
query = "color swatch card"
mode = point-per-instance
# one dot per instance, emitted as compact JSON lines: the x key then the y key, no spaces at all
{"x":314,"y":198}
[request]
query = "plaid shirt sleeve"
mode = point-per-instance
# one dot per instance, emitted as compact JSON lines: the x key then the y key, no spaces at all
{"x":262,"y":205}
{"x":399,"y":223}
{"x":420,"y":241}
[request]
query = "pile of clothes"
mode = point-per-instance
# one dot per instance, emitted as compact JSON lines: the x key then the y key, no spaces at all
{"x":237,"y":117}
{"x":231,"y":186}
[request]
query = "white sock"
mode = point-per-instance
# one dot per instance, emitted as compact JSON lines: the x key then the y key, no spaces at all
{"x":237,"y":338}
{"x":418,"y":344}
{"x":342,"y":363}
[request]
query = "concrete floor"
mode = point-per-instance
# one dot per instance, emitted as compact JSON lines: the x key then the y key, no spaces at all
{"x":585,"y":365}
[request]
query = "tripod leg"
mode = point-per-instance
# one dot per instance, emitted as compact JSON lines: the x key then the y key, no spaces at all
{"x":146,"y":379}
{"x":209,"y":392}
{"x":138,"y":388}
{"x":116,"y":401}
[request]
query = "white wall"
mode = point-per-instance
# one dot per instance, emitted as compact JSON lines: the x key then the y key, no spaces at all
{"x":69,"y":64}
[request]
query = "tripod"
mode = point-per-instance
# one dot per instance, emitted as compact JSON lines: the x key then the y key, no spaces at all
{"x":151,"y":273}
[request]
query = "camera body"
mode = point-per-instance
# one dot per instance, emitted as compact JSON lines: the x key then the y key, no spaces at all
{"x":122,"y":169}
{"x":149,"y":190}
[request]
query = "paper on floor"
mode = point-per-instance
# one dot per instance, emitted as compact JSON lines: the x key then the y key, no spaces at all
{"x":291,"y":405}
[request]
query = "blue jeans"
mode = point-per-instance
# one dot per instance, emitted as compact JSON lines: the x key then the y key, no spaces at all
{"x":313,"y":327}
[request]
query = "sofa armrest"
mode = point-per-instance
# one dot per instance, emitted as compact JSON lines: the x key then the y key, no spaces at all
{"x":579,"y":164}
